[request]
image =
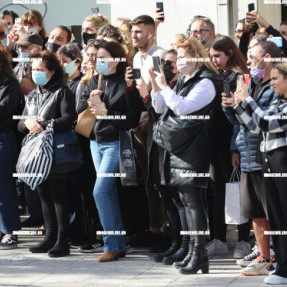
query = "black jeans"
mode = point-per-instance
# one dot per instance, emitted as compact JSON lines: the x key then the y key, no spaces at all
{"x":276,"y":198}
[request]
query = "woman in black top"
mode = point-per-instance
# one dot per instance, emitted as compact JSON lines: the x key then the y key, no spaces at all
{"x":10,"y":97}
{"x":116,"y":116}
{"x":51,"y":100}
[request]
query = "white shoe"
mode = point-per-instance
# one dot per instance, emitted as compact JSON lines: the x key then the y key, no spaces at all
{"x":275,"y":280}
{"x":242,"y":249}
{"x":258,"y":266}
{"x":216,"y":247}
{"x":248,"y":258}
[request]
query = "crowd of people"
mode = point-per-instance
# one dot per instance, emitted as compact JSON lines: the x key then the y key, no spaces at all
{"x":183,"y":122}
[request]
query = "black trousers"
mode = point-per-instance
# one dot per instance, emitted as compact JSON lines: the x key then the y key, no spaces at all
{"x":54,"y":196}
{"x":191,"y":197}
{"x":276,"y":198}
{"x":220,"y":172}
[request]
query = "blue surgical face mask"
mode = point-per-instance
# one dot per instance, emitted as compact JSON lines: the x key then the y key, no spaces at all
{"x":103,"y":68}
{"x":70,"y":68}
{"x":24,"y":55}
{"x":40,"y":78}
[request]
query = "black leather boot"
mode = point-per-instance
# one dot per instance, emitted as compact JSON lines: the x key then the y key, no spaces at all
{"x":62,"y":247}
{"x":180,"y":253}
{"x":48,"y":242}
{"x":187,"y":258}
{"x":199,"y":260}
{"x":171,"y":250}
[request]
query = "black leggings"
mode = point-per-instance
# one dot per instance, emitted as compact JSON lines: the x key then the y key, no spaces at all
{"x":175,"y":210}
{"x":276,"y":198}
{"x":191,"y":197}
{"x":53,"y":193}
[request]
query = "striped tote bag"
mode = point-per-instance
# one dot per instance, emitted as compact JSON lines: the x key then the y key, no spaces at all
{"x":36,"y":156}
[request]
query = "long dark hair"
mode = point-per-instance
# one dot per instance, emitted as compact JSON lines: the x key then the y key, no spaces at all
{"x":116,"y":51}
{"x":6,"y":70}
{"x":35,"y":16}
{"x":236,"y":60}
{"x":52,"y":63}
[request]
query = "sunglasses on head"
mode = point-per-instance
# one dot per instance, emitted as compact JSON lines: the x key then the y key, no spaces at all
{"x":167,"y":62}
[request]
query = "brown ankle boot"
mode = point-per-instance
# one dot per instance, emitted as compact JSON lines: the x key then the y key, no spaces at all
{"x":109,"y":256}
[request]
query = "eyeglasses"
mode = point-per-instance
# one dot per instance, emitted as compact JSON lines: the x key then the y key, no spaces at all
{"x":96,"y":42}
{"x":198,"y":31}
{"x":167,"y":62}
{"x":238,"y":31}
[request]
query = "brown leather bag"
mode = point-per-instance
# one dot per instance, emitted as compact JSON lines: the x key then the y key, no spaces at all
{"x":86,"y":119}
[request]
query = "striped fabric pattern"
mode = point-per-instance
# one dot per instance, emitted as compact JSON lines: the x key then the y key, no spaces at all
{"x":36,"y":156}
{"x":272,"y":122}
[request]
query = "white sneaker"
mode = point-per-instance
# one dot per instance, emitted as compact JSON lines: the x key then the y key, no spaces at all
{"x":248,"y":258}
{"x":258,"y":266}
{"x":216,"y":247}
{"x":242,"y":249}
{"x":275,"y":280}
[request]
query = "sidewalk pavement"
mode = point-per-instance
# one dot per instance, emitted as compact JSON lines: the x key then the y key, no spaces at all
{"x":137,"y":269}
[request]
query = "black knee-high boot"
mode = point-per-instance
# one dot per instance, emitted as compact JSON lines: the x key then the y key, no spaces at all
{"x":199,"y":259}
{"x":187,"y":258}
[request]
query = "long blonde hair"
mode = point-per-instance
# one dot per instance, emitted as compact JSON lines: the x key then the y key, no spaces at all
{"x":193,"y":47}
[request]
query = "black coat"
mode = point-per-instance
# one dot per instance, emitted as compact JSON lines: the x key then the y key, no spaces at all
{"x":195,"y":159}
{"x":54,"y":101}
{"x":11,"y":103}
{"x":118,"y":103}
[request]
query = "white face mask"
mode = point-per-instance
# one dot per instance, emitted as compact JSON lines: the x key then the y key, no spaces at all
{"x":30,"y":29}
{"x":183,"y":67}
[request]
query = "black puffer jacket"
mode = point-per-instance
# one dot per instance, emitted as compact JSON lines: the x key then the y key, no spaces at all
{"x":115,"y":97}
{"x":54,"y":101}
{"x":196,"y":158}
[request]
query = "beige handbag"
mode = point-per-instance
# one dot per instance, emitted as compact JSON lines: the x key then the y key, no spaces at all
{"x":86,"y":119}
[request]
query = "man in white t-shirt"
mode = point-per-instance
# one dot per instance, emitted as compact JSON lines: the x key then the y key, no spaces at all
{"x":143,"y":34}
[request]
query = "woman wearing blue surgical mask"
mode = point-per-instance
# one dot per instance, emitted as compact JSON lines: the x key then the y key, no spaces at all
{"x":104,"y":139}
{"x":51,"y":99}
{"x":70,"y":58}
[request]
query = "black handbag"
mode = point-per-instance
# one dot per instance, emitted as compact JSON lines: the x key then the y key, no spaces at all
{"x":67,"y":152}
{"x":175,"y":134}
{"x":128,"y":163}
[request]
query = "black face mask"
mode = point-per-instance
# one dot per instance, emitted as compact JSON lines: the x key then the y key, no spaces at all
{"x":52,"y":47}
{"x":86,"y":37}
{"x":169,"y":75}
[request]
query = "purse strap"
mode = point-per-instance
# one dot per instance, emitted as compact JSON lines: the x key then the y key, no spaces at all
{"x":235,"y":175}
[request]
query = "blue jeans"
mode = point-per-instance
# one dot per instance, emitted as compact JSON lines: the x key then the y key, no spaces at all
{"x":106,"y":160}
{"x":9,"y":214}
